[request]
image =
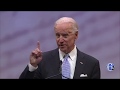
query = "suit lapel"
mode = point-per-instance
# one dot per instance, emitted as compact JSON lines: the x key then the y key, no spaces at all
{"x":79,"y":65}
{"x":56,"y":63}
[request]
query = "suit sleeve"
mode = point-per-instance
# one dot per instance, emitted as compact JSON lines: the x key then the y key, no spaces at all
{"x":26,"y":74}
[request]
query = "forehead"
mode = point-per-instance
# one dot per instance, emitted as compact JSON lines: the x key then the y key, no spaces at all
{"x":63,"y":27}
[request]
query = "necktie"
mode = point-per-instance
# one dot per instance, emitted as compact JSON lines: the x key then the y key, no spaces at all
{"x":66,"y":68}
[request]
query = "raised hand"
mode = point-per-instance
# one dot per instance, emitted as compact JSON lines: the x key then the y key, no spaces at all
{"x":36,"y":56}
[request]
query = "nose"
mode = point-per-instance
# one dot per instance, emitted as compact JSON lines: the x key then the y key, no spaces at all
{"x":61,"y":39}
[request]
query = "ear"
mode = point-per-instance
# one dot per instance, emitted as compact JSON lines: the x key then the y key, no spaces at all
{"x":76,"y":34}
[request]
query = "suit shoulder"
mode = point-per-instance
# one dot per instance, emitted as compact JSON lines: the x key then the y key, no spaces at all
{"x":89,"y":57}
{"x":50,"y":52}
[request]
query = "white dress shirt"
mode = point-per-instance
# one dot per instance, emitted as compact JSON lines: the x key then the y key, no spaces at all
{"x":72,"y":60}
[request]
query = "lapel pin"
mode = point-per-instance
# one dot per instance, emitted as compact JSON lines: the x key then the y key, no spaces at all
{"x":81,"y":62}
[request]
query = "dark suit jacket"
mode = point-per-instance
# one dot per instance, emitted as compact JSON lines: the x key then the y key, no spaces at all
{"x":50,"y":67}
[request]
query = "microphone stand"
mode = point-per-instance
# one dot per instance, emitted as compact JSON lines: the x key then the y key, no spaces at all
{"x":56,"y":75}
{"x":53,"y":76}
{"x":60,"y":73}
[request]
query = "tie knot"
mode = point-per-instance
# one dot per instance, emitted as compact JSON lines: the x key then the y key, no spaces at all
{"x":66,"y":56}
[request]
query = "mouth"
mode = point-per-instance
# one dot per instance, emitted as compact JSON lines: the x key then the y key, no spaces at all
{"x":61,"y":46}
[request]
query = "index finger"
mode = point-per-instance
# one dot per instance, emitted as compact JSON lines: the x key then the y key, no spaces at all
{"x":38,"y":45}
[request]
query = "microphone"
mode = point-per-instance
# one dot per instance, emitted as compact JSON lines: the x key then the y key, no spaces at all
{"x":53,"y":76}
{"x":60,"y":72}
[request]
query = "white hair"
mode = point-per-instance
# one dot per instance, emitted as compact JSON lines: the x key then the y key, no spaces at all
{"x":68,"y":19}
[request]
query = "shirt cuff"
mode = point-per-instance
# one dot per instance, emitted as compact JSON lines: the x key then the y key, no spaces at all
{"x":32,"y":68}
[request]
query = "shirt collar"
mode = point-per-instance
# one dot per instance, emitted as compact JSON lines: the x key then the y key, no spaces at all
{"x":71,"y":54}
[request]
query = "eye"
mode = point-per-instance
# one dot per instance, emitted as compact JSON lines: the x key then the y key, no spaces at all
{"x":57,"y":35}
{"x":65,"y":35}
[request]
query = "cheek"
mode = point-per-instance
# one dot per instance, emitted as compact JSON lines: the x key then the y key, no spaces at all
{"x":57,"y":41}
{"x":71,"y":41}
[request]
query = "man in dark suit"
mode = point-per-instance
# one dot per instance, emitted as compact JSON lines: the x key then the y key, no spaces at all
{"x":48,"y":65}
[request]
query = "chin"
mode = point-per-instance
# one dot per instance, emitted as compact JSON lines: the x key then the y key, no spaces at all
{"x":63,"y":50}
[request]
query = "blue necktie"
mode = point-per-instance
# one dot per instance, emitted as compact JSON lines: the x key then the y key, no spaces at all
{"x":66,"y":68}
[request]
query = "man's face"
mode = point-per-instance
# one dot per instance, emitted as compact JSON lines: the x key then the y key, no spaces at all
{"x":65,"y":37}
